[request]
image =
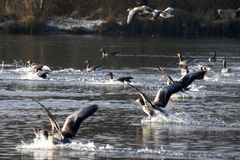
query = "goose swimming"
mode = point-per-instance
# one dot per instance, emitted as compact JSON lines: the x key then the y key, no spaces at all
{"x":224,"y":67}
{"x":90,"y":68}
{"x":212,"y":58}
{"x":109,"y":54}
{"x":121,"y":79}
{"x":141,"y":10}
{"x":70,"y":126}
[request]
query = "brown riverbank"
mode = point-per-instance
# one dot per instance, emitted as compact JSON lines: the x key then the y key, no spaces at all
{"x":192,"y":18}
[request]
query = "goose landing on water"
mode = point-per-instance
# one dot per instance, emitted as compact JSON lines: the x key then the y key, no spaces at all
{"x":121,"y":79}
{"x":160,"y":101}
{"x":148,"y":107}
{"x":90,"y":68}
{"x":184,"y":62}
{"x":185,"y":80}
{"x":70,"y":127}
{"x":41,"y":70}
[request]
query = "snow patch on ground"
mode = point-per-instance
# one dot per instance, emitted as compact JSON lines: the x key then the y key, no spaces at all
{"x":71,"y":23}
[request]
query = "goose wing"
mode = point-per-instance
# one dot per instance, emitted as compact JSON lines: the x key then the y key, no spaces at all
{"x":166,"y":76}
{"x":147,"y":101}
{"x":127,"y":79}
{"x":93,"y":68}
{"x":55,"y":125}
{"x":144,"y":97}
{"x":74,"y":120}
{"x":164,"y":94}
{"x":133,"y":12}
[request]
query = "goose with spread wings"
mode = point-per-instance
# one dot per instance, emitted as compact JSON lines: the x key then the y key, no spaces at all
{"x":185,"y":62}
{"x":70,"y":126}
{"x":185,"y":80}
{"x":141,"y":10}
{"x":90,"y":68}
{"x":161,"y":100}
{"x":148,"y":107}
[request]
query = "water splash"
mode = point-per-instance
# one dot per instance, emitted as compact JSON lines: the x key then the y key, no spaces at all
{"x":46,"y":150}
{"x":178,"y":118}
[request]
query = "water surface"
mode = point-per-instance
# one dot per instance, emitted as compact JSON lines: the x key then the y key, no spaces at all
{"x":203,"y":125}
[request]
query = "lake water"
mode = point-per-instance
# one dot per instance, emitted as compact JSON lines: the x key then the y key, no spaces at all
{"x":204,"y":123}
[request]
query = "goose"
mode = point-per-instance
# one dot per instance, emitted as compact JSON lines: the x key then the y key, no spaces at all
{"x":212,"y":58}
{"x":141,"y":10}
{"x":148,"y":107}
{"x":90,"y":68}
{"x":121,"y":79}
{"x":38,"y":67}
{"x":227,"y":14}
{"x":70,"y":127}
{"x":109,"y":54}
{"x":162,"y":97}
{"x":187,"y":79}
{"x":224,"y":67}
{"x":41,"y":70}
{"x":183,"y":62}
{"x":167,"y":13}
{"x":166,"y":77}
{"x":42,"y":74}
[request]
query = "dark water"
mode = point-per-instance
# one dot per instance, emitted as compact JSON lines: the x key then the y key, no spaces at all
{"x":203,"y":122}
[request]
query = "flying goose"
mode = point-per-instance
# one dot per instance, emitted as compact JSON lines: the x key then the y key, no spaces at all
{"x":167,"y":13}
{"x":121,"y":79}
{"x":70,"y":126}
{"x":132,"y":13}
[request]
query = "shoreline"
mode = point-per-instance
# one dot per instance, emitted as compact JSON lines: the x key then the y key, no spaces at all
{"x":147,"y":28}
